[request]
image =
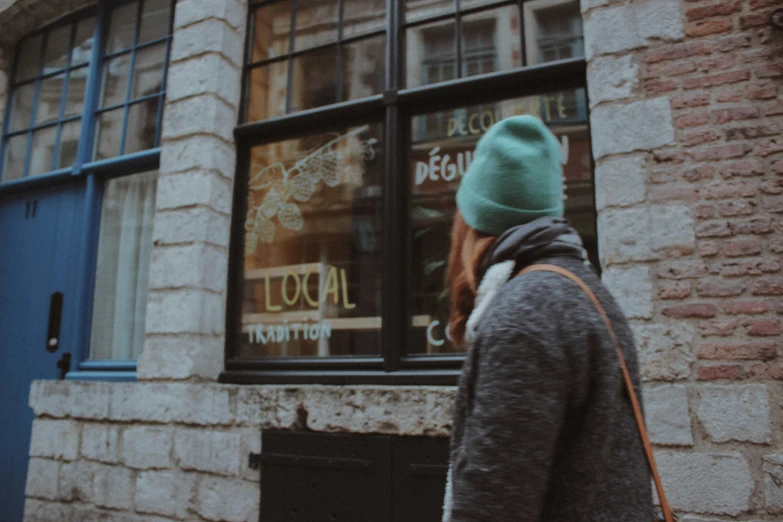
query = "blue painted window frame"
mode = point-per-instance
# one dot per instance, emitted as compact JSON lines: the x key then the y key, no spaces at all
{"x":93,"y":173}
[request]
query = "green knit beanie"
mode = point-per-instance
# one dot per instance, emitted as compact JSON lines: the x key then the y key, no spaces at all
{"x":515,"y":177}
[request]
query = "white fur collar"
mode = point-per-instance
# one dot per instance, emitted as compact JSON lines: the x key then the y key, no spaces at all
{"x":496,"y":276}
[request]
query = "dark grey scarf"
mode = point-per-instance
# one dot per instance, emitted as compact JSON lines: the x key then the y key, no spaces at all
{"x":526,"y":244}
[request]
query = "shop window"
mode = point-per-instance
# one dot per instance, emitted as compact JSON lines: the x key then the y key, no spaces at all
{"x":343,"y":213}
{"x":85,"y":107}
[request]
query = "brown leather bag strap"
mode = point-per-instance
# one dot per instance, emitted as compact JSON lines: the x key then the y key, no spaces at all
{"x":637,"y":410}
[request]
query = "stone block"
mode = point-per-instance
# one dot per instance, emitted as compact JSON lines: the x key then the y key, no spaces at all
{"x":167,"y":493}
{"x":209,"y":36}
{"x":250,"y":442}
{"x":620,"y":181}
{"x":147,"y":447}
{"x":76,"y":481}
{"x":672,"y":229}
{"x":211,"y":451}
{"x":585,"y":5}
{"x":85,"y":400}
{"x":205,"y":188}
{"x":181,"y":357}
{"x":113,"y":487}
{"x":57,"y":439}
{"x":735,"y":412}
{"x":43,"y":476}
{"x":205,"y":114}
{"x":194,"y":11}
{"x":41,"y":511}
{"x":632,"y":288}
{"x":186,"y":311}
{"x":231,"y":500}
{"x":198,"y":153}
{"x":636,"y":126}
{"x":715,"y":483}
{"x":632,"y":26}
{"x":100,"y":442}
{"x":666,"y":351}
{"x":611,"y":78}
{"x":188,"y":225}
{"x":667,"y":416}
{"x":189,"y":266}
{"x":200,"y":404}
{"x":207,"y":74}
{"x":773,"y":482}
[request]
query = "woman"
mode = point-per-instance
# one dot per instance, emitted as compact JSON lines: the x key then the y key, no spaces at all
{"x":543,"y":427}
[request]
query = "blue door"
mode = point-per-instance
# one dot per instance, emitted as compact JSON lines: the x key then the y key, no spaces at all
{"x":39,"y":253}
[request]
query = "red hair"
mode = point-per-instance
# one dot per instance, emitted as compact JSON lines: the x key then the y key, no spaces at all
{"x":468,"y":247}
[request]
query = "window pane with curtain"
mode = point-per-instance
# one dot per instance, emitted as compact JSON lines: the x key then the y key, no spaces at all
{"x":440,"y":156}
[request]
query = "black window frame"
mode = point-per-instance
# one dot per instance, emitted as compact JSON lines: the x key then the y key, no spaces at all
{"x":394,"y":108}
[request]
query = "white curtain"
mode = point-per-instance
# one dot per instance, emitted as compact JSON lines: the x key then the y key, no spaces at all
{"x":122,"y":270}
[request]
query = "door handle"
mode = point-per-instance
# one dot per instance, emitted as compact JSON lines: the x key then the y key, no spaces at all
{"x":55,"y":318}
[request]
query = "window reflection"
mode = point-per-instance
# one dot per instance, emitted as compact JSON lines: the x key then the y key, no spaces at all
{"x":553,"y":30}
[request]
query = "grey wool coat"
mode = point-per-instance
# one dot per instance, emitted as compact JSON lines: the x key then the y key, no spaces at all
{"x":543,"y":427}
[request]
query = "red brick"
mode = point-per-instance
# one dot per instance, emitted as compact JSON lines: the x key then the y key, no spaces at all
{"x":767,"y":371}
{"x":746,"y":247}
{"x":669,"y":156}
{"x":773,"y":109}
{"x":659,"y":87}
{"x":716,"y":79}
{"x":768,"y":286}
{"x":776,"y":245}
{"x":773,"y":186}
{"x":678,"y":69}
{"x":748,"y":307}
{"x":755,"y":19}
{"x":714,"y":229}
{"x":730,"y":208}
{"x":674,"y":290}
{"x":756,"y":4}
{"x":742,"y":169}
{"x":731,"y":95}
{"x":682,"y":269}
{"x":699,"y":138}
{"x":749,"y":133}
{"x":705,"y":212}
{"x":767,"y":147}
{"x":716,"y":9}
{"x":707,"y":27}
{"x":721,"y":152}
{"x":708,"y":249}
{"x":730,"y":190}
{"x":758,"y":55}
{"x":699,"y":173}
{"x":770,"y":71}
{"x":733,"y":42}
{"x":751,"y":350}
{"x":663,"y":176}
{"x":703,"y":310}
{"x":727,"y":115}
{"x":661,"y":194}
{"x":678,"y":51}
{"x":720,"y":371}
{"x":717,"y":328}
{"x":756,"y":225}
{"x":777,"y":167}
{"x":719,"y":288}
{"x":716,"y":64}
{"x":692,"y":100}
{"x":772,"y":204}
{"x":693,"y":120}
{"x":762,"y":327}
{"x":750,"y":266}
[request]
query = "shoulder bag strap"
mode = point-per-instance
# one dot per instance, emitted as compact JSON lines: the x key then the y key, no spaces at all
{"x":637,"y":410}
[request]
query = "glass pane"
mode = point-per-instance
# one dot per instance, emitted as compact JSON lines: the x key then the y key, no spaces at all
{"x":441,"y":151}
{"x":363,"y":16}
{"x":43,"y":151}
{"x":108,"y":134}
{"x":115,"y":80}
{"x":124,"y":250}
{"x":69,"y":143}
{"x":431,"y":54}
{"x":15,"y":153}
{"x":317,"y":22}
{"x":364,"y":65}
{"x":82,"y":46}
{"x":154,"y":20}
{"x":142,"y":124}
{"x":472,"y":4}
{"x":417,"y":10}
{"x":58,"y":44}
{"x":315,"y":79}
{"x":312,"y":265}
{"x":74,"y":101}
{"x":22,"y":106}
{"x":49,"y":99}
{"x":267,"y":87}
{"x":553,"y":33}
{"x":28,"y":58}
{"x":122,"y":27}
{"x":272,"y":27}
{"x":491,"y":42}
{"x":148,"y":71}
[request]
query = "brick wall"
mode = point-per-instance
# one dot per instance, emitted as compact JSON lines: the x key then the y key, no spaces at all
{"x":687,"y":113}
